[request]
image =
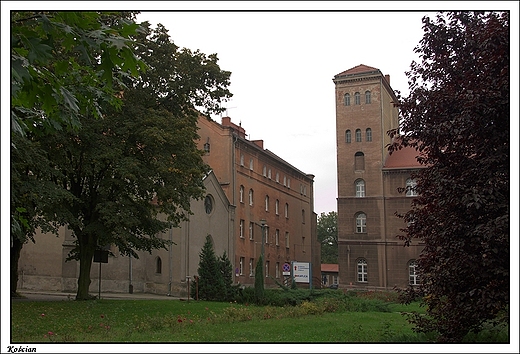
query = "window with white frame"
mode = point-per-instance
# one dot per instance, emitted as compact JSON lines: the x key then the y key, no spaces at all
{"x":277,"y":237}
{"x":411,"y":186}
{"x":264,"y":171}
{"x":251,"y":267}
{"x":251,"y":164}
{"x":277,"y":177}
{"x":287,"y":239}
{"x":368,"y":134}
{"x":360,"y":188}
{"x":412,"y":273}
{"x":357,"y":98}
{"x":361,"y":223}
{"x":285,"y":181}
{"x":358,"y":135}
{"x":277,"y":270}
{"x":277,"y":207}
{"x":251,"y":228}
{"x":241,"y":160}
{"x":346,"y":99}
{"x":242,"y":225}
{"x":289,"y":183}
{"x":241,"y":194}
{"x":368,"y":98}
{"x":266,"y":203}
{"x":269,"y":174}
{"x":286,"y":210}
{"x":348,"y":136}
{"x":241,"y":265}
{"x":362,"y":273}
{"x":251,"y":197}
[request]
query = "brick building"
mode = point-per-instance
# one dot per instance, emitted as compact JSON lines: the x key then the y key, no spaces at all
{"x":265,"y":190}
{"x":370,"y":255}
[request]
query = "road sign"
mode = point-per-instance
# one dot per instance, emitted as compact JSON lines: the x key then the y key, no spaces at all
{"x":286,"y":269}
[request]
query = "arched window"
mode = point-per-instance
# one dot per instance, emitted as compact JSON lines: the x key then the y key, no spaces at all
{"x":208,"y":204}
{"x":158,"y":265}
{"x":251,"y":197}
{"x":361,"y":223}
{"x":411,"y":187}
{"x":251,"y":164}
{"x":277,"y":207}
{"x":266,"y":203}
{"x":348,"y":136}
{"x":241,"y":160}
{"x":412,"y":272}
{"x":358,"y":135}
{"x":346,"y":99}
{"x":368,"y":134}
{"x":367,"y":97}
{"x":360,"y":188}
{"x":286,"y":210}
{"x":359,"y":161}
{"x":241,"y":194}
{"x":264,"y":171}
{"x":362,"y":271}
{"x":357,"y":98}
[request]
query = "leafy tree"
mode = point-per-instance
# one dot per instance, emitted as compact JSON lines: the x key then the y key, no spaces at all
{"x":139,"y":161}
{"x":63,"y":65}
{"x":327,"y":230}
{"x":211,"y":285}
{"x":457,"y":117}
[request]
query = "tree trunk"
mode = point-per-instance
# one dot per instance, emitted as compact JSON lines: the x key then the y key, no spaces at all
{"x":15,"y":256}
{"x":87,"y":246}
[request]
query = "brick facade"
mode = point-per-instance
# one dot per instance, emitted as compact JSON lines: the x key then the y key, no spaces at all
{"x":282,"y":195}
{"x":367,"y":183}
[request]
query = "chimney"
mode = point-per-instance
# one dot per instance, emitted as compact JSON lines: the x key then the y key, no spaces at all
{"x":387,"y":77}
{"x":259,"y":143}
{"x":226,"y":122}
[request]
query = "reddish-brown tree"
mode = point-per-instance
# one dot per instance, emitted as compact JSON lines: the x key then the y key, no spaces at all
{"x":457,"y":116}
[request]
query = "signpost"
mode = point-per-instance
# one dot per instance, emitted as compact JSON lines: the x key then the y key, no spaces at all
{"x":302,"y":272}
{"x":100,"y":256}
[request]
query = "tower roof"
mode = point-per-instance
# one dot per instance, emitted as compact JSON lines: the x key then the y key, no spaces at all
{"x":361,"y":68}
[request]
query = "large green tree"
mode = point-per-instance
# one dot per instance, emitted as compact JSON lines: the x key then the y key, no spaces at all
{"x":457,"y":117}
{"x":141,"y":161}
{"x":327,"y":231}
{"x":62,"y":68}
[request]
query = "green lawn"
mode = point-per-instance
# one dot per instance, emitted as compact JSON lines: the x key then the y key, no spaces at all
{"x":196,"y":322}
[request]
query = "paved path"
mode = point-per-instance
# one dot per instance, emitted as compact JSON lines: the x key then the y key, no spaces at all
{"x":30,"y":295}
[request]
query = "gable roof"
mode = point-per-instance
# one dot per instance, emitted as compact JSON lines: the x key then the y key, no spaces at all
{"x":361,"y":68}
{"x":406,"y":158}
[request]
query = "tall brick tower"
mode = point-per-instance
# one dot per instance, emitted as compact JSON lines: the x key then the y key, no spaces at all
{"x":370,"y":255}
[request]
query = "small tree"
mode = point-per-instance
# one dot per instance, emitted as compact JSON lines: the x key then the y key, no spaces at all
{"x":211,"y":281}
{"x":226,"y":269}
{"x":259,"y":279}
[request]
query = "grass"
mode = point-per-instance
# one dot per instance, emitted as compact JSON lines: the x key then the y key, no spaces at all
{"x":326,"y":320}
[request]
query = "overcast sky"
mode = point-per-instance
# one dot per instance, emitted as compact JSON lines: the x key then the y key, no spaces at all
{"x":282,"y":66}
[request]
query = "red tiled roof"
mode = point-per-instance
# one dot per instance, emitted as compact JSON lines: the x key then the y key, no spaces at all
{"x":330,"y":267}
{"x":404,"y":158}
{"x":361,"y":68}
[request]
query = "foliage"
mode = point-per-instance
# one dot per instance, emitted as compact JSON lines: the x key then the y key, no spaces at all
{"x":211,"y":284}
{"x":457,"y":117}
{"x":259,"y":279}
{"x":64,"y":64}
{"x":327,"y":231}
